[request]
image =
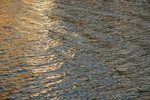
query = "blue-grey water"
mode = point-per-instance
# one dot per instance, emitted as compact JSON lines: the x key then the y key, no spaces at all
{"x":74,"y":50}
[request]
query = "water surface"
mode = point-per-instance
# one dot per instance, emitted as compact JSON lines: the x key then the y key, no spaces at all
{"x":74,"y":49}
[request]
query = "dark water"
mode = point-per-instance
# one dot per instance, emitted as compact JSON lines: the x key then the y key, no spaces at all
{"x":74,"y":49}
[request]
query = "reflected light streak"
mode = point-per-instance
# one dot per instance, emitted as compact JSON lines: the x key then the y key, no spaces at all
{"x":30,"y":38}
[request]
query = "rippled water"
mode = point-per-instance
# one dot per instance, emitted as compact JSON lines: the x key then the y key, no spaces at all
{"x":74,"y":49}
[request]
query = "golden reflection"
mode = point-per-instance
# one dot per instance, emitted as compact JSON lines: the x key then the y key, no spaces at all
{"x":41,"y":46}
{"x":24,"y":39}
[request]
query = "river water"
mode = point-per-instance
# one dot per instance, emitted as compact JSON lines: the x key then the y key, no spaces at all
{"x":74,"y":49}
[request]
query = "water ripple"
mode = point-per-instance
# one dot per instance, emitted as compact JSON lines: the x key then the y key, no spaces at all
{"x":74,"y":49}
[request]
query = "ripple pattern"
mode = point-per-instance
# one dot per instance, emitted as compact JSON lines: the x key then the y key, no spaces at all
{"x":74,"y":50}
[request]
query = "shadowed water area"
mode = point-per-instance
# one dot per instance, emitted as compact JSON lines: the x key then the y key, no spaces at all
{"x":74,"y":50}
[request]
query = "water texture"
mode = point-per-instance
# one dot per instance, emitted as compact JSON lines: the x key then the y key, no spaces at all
{"x":74,"y":50}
